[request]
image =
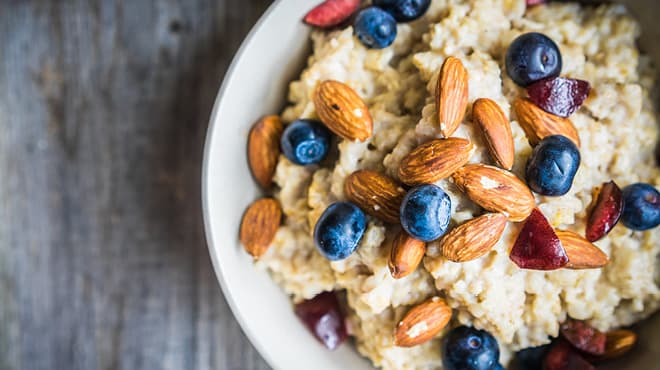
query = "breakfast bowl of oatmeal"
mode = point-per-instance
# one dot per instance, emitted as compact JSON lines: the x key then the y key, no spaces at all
{"x":444,"y":184}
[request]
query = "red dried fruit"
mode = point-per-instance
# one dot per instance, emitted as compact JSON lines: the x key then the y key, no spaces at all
{"x":537,"y":246}
{"x":558,"y":95}
{"x":331,"y":13}
{"x":562,"y":357}
{"x":535,"y":2}
{"x":584,"y":337}
{"x":606,"y":212}
{"x":324,"y":319}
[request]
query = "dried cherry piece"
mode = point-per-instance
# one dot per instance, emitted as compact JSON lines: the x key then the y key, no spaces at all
{"x":606,"y":212}
{"x":562,"y":357}
{"x":331,"y":13}
{"x":324,"y":319}
{"x":558,"y":95}
{"x":537,"y":246}
{"x":584,"y":337}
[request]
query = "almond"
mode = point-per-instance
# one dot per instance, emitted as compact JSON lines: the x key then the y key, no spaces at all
{"x":451,"y":95}
{"x":473,"y":238}
{"x":342,"y":110}
{"x":538,"y":123}
{"x":376,"y":193}
{"x":496,"y":190}
{"x":618,"y":343}
{"x":259,"y":225}
{"x":422,"y":323}
{"x":264,"y":149}
{"x":435,"y":160}
{"x":581,"y":253}
{"x":496,"y":131}
{"x":407,"y":252}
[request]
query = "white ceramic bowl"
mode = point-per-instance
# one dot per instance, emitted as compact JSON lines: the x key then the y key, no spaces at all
{"x":256,"y":83}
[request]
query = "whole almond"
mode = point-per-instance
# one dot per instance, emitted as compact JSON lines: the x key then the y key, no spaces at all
{"x":473,"y":238}
{"x":618,"y":343}
{"x":376,"y":193}
{"x":259,"y":225}
{"x":407,"y":252}
{"x":422,"y":323}
{"x":451,"y":95}
{"x":581,"y":253}
{"x":435,"y":160}
{"x":264,"y":149}
{"x":496,"y":190}
{"x":496,"y":131}
{"x":342,"y":110}
{"x":538,"y":123}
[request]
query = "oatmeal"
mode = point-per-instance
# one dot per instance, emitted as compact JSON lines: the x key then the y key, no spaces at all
{"x":618,"y":131}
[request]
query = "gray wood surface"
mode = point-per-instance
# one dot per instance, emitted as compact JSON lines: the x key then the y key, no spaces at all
{"x":103,"y":110}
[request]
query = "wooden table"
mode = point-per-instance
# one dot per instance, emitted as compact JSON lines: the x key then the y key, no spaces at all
{"x":103,"y":111}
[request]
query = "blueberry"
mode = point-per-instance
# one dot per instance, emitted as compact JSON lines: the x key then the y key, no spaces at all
{"x":375,"y":28}
{"x":404,"y":10}
{"x":467,"y":348}
{"x":305,"y":141}
{"x":339,"y":230}
{"x":552,"y":166}
{"x":641,"y":207}
{"x":532,"y":358}
{"x":425,"y":212}
{"x":532,"y":57}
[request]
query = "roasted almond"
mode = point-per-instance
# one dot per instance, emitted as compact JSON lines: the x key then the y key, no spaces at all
{"x":376,"y":193}
{"x":496,"y":131}
{"x":496,"y":190}
{"x":473,"y":238}
{"x":538,"y":123}
{"x":422,"y":323}
{"x":435,"y":160}
{"x":342,"y":110}
{"x":451,"y":95}
{"x":259,"y":225}
{"x":581,"y":253}
{"x":407,"y":252}
{"x":264,"y":149}
{"x":618,"y":343}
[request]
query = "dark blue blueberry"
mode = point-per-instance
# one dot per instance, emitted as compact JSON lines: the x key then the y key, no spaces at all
{"x":425,"y":212}
{"x":641,"y":207}
{"x":532,"y":57}
{"x":552,"y":166}
{"x":404,"y":10}
{"x":339,"y":230}
{"x":305,"y":141}
{"x":532,"y":358}
{"x":375,"y":28}
{"x":498,"y":367}
{"x":466,"y":348}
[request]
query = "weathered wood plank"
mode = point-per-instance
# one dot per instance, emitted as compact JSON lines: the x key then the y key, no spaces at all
{"x":103,"y":111}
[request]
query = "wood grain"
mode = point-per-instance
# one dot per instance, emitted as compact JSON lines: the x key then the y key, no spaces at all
{"x":103,"y":110}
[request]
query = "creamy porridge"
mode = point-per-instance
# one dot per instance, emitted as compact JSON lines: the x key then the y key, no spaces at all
{"x":617,"y":128}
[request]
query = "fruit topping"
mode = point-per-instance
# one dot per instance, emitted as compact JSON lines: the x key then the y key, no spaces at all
{"x":305,"y":141}
{"x":404,"y":10}
{"x":532,"y":358}
{"x":562,"y":357}
{"x":406,"y":254}
{"x":259,"y":226}
{"x":552,"y":166}
{"x":331,"y":13}
{"x":376,"y":193}
{"x":531,"y":57}
{"x":323,"y":317}
{"x":425,"y":212}
{"x":618,"y":343}
{"x":583,"y":337}
{"x":606,"y":212}
{"x":422,"y":323}
{"x":339,"y":230}
{"x":537,"y":246}
{"x":264,"y":149}
{"x":558,"y":95}
{"x":466,"y":348}
{"x":641,"y":207}
{"x":375,"y":28}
